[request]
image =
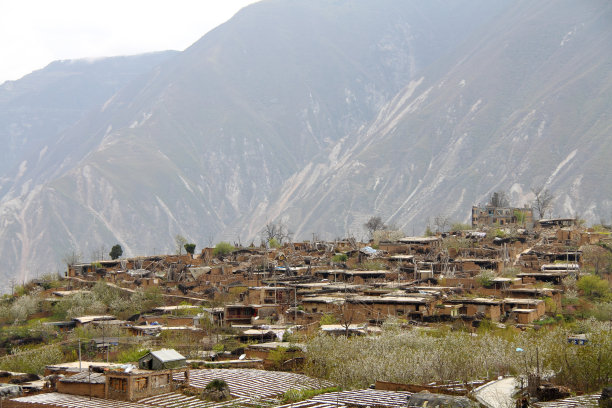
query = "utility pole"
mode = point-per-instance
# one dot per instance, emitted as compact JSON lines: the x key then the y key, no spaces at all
{"x":79,"y":354}
{"x":89,"y":369}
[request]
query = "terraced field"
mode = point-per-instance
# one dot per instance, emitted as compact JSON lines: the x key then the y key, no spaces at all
{"x":255,"y":384}
{"x":582,"y":401}
{"x":363,"y":398}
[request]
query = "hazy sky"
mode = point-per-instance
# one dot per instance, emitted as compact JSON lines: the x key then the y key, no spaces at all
{"x":35,"y":32}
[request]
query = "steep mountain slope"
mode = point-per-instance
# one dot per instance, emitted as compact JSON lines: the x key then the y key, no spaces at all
{"x":37,"y":108}
{"x":209,"y":135}
{"x":523,"y":102}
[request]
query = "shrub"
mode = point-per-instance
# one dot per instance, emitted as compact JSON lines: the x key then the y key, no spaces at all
{"x":32,"y":361}
{"x":594,"y":287}
{"x":372,"y":266}
{"x":223,"y":249}
{"x":456,"y":242}
{"x":485,"y":278}
{"x":458,"y":226}
{"x":387,"y":235}
{"x":340,"y":258}
{"x":519,"y":216}
{"x":216,"y":384}
{"x":292,"y":395}
{"x":23,"y":306}
{"x":278,"y":356}
{"x":273,"y":242}
{"x":328,"y":318}
{"x":79,"y":304}
{"x":131,"y":355}
{"x":499,"y":233}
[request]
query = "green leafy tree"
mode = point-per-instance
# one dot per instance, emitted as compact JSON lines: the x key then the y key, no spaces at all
{"x":519,"y":216}
{"x":594,"y":287}
{"x":223,"y":249}
{"x":190,"y":248}
{"x":598,"y":258}
{"x":116,"y":251}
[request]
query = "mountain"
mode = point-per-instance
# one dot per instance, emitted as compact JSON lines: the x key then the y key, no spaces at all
{"x":524,"y":102}
{"x":43,"y":104}
{"x":322,"y":114}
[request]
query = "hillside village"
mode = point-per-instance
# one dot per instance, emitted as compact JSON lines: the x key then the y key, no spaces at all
{"x":276,"y":320}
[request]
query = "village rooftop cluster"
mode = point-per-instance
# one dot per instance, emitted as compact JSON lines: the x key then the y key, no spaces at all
{"x":233,"y":314}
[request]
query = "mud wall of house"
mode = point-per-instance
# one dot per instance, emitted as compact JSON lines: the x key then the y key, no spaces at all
{"x":93,"y":390}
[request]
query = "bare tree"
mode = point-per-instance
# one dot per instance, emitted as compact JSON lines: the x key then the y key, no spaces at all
{"x":71,"y":258}
{"x":374,"y":224}
{"x":441,"y":223}
{"x":500,"y":199}
{"x":345,"y":314}
{"x":543,"y":200}
{"x":276,"y":230}
{"x":180,"y":242}
{"x":97,"y":254}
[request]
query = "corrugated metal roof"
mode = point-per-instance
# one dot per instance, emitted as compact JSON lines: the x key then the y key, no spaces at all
{"x":89,"y":319}
{"x":166,"y":355}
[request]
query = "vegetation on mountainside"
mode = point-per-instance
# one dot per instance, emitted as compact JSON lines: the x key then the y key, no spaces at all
{"x":414,"y":356}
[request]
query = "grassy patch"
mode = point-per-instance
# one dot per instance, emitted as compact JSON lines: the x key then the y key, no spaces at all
{"x":292,"y":396}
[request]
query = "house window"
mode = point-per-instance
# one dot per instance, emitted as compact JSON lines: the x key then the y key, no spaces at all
{"x":140,"y":384}
{"x":118,"y":384}
{"x":160,"y":381}
{"x":314,"y":310}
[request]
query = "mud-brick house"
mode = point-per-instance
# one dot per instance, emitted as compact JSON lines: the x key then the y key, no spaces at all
{"x":322,"y":304}
{"x":420,"y":244}
{"x":267,"y":295}
{"x":478,"y":307}
{"x":138,"y":384}
{"x":245,"y":314}
{"x":377,"y":308}
{"x":537,"y":305}
{"x":523,"y":316}
{"x":84,"y":383}
{"x":536,"y":293}
{"x":239,"y":314}
{"x":87,"y":320}
{"x":556,"y":222}
{"x":490,"y":215}
{"x":447,"y":312}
